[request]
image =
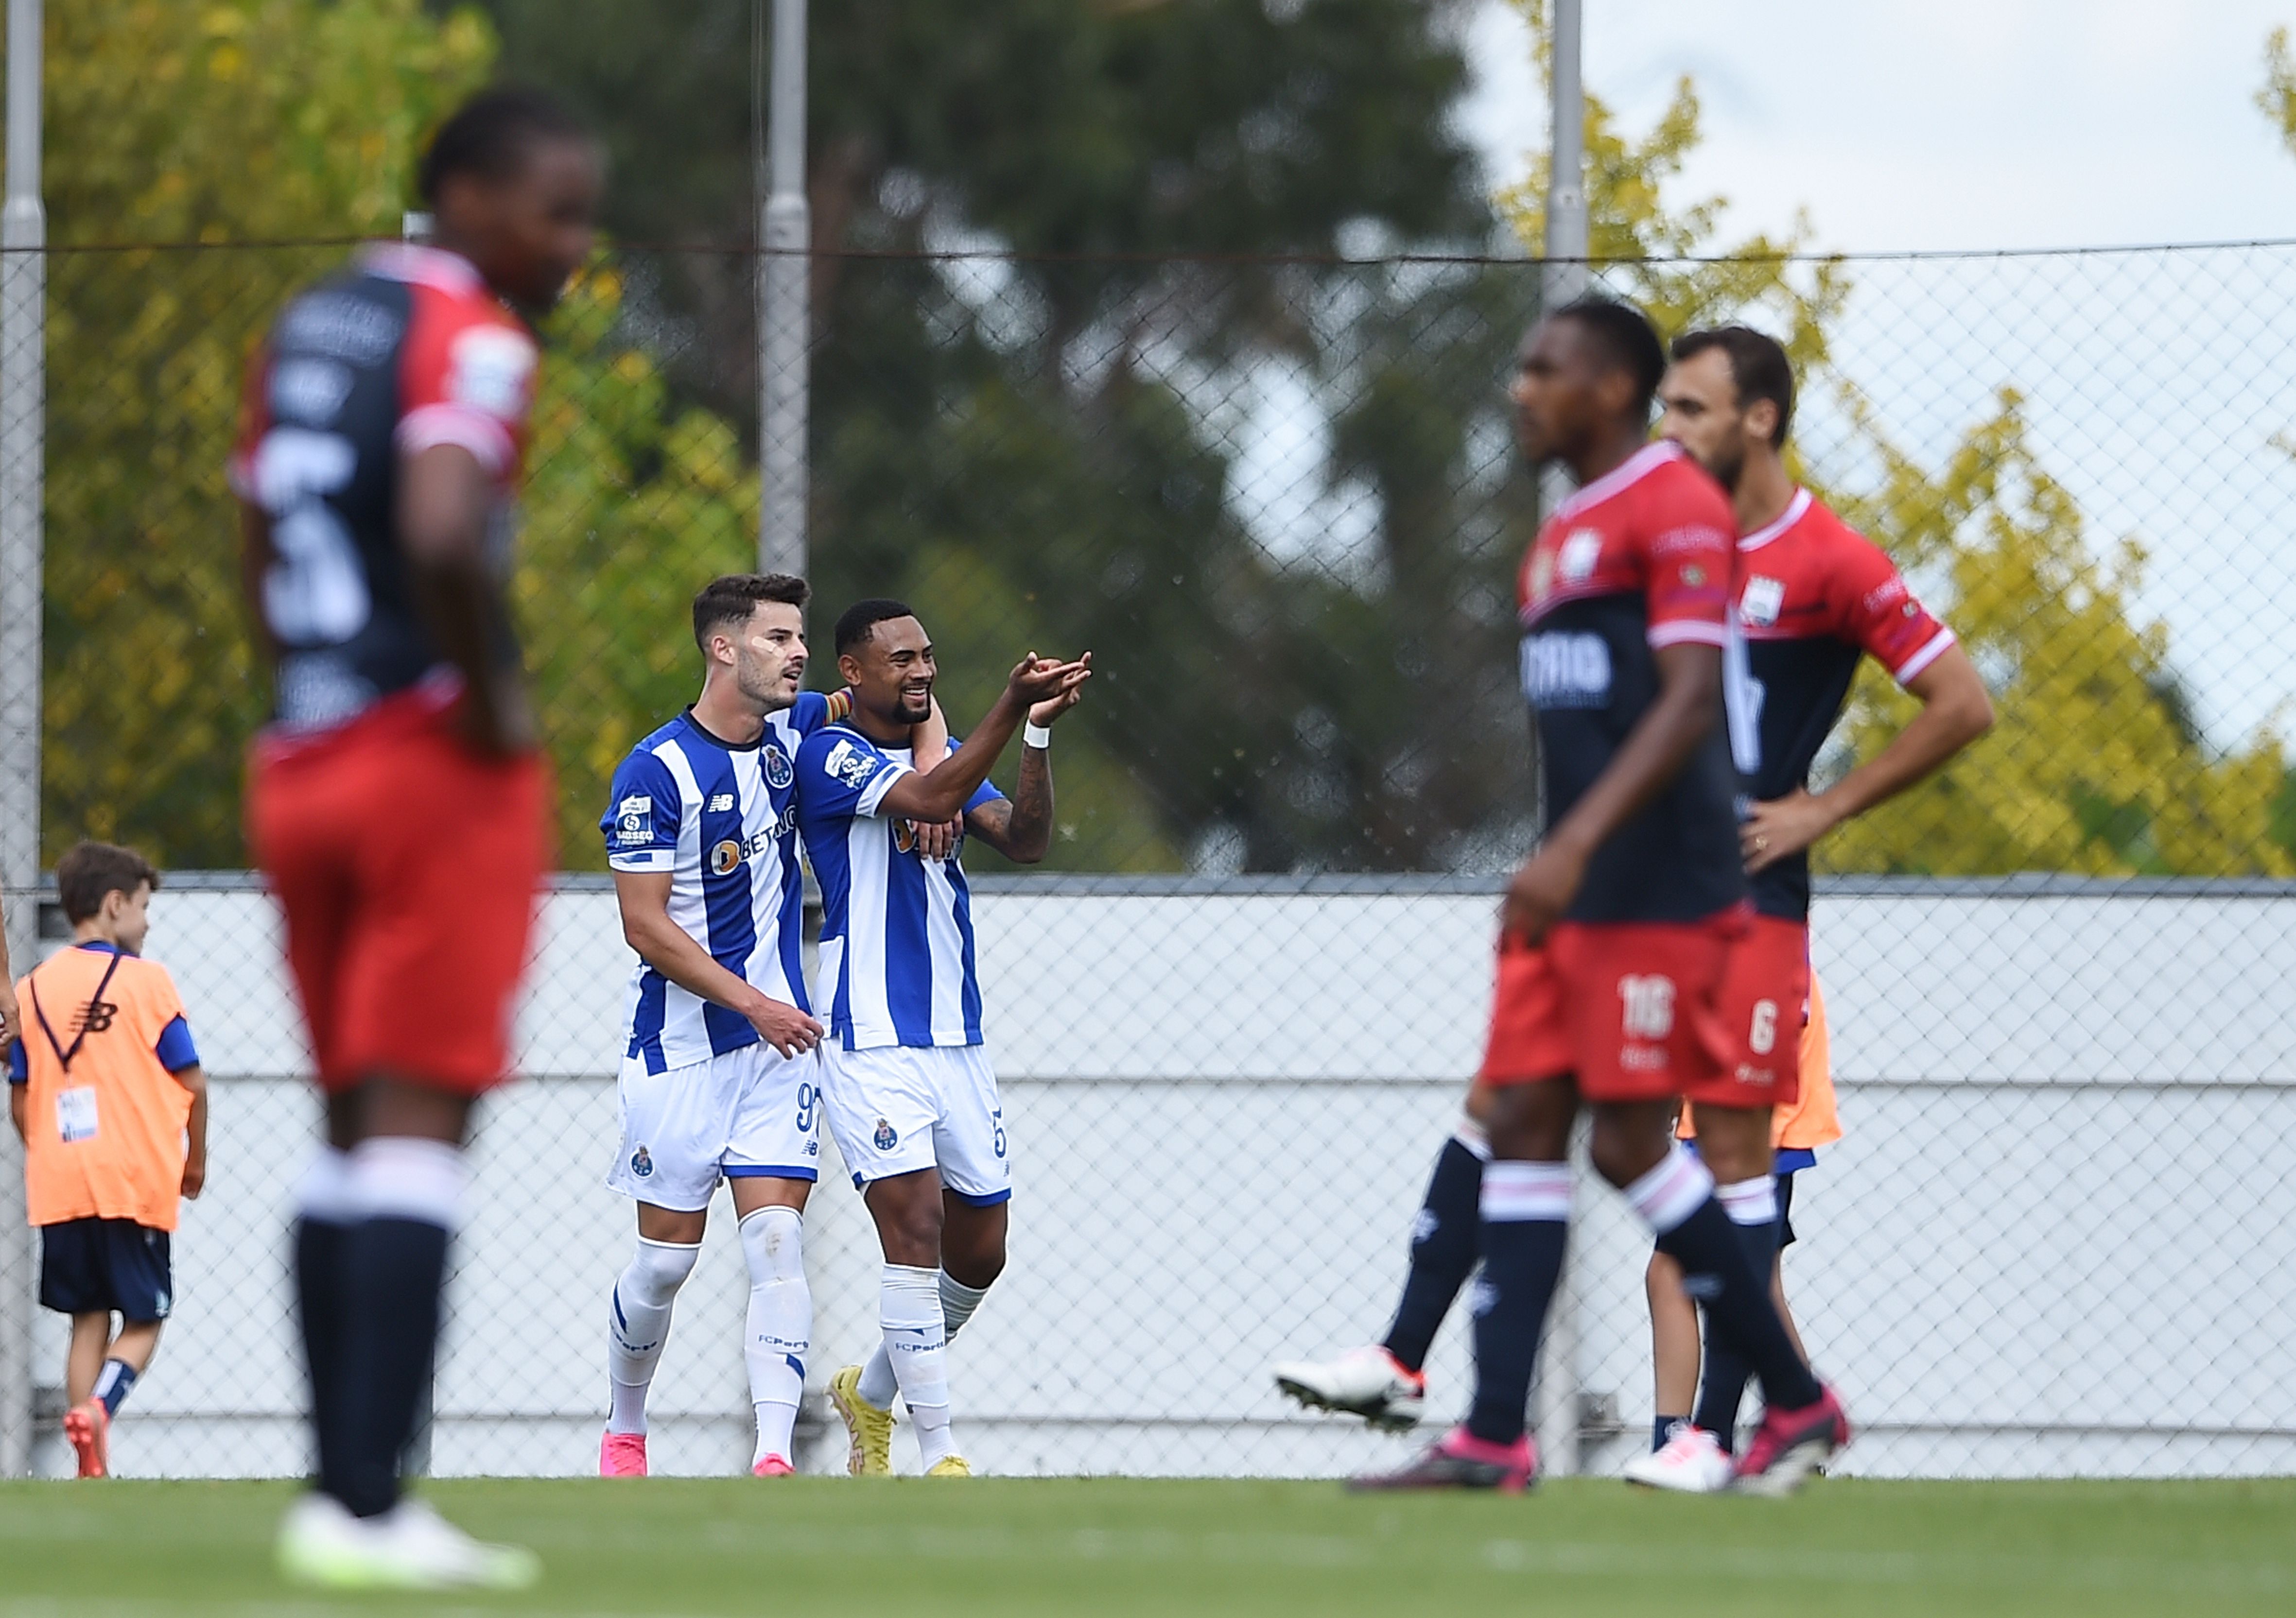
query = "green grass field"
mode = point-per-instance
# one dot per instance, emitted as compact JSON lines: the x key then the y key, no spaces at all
{"x":1024,"y":1547}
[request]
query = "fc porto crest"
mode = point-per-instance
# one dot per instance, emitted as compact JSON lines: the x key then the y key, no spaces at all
{"x":885,"y":1139}
{"x":778,"y":774}
{"x":642,"y":1162}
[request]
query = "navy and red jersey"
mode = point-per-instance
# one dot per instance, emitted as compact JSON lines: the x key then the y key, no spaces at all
{"x":1638,"y":559}
{"x":404,"y":350}
{"x":1814,"y":596}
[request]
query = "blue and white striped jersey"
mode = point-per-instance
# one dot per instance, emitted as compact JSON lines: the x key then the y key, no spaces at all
{"x":718,"y":818}
{"x":896,"y":960}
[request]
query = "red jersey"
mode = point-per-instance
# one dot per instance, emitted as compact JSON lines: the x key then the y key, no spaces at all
{"x":1637,"y":560}
{"x":1814,"y":596}
{"x":405,"y":349}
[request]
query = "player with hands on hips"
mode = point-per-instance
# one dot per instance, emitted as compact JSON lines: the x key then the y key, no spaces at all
{"x":910,"y":1094}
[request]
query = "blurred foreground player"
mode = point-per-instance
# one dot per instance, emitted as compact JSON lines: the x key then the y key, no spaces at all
{"x":1812,"y":598}
{"x":108,"y":1097}
{"x":1617,"y":931}
{"x":397,"y":799}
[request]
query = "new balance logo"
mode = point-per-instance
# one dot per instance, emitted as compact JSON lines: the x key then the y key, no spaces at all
{"x":96,"y":1018}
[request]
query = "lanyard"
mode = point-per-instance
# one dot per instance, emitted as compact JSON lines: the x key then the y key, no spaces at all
{"x":31,"y":986}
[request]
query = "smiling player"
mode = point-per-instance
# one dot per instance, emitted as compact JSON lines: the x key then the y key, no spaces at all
{"x":911,"y":1098}
{"x":718,"y":1078}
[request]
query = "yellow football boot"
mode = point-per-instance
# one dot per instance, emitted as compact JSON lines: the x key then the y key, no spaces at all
{"x":951,"y":1466}
{"x":868,"y":1430}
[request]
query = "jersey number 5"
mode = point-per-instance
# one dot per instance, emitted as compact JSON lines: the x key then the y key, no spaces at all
{"x":315,"y":594}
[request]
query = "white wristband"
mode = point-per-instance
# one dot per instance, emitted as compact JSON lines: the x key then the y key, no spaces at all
{"x":1036,"y":736}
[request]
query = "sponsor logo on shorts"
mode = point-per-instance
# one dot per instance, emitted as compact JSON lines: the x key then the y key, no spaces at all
{"x":642,"y":1162}
{"x":778,"y":774}
{"x":886,"y":1139}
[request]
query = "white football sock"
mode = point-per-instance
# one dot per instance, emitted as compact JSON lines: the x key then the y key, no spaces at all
{"x":638,"y":1324}
{"x":780,"y":1330}
{"x":916,"y":1343}
{"x":957,"y":1303}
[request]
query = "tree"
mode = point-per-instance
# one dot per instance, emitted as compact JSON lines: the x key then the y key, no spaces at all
{"x":244,"y":120}
{"x":2095,"y":766}
{"x":1032,"y":452}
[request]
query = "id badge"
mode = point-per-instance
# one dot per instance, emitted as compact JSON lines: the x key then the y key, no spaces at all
{"x":76,"y":1114}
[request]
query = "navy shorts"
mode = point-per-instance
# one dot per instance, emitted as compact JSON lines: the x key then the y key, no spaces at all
{"x":92,"y":1266}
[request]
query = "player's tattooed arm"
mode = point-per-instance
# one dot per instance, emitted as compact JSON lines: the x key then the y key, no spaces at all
{"x":671,"y":950}
{"x":1020,"y":827}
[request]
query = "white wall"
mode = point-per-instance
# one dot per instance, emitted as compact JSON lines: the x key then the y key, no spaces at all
{"x":2056,"y":1239}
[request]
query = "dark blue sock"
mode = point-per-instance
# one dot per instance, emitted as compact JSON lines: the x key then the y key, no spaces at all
{"x":112,"y":1383}
{"x":319,"y":1312}
{"x":1725,"y":1372}
{"x":1662,"y":1431}
{"x":1522,"y":1261}
{"x":1444,"y":1240}
{"x":1717,"y":1272}
{"x":392,"y":1272}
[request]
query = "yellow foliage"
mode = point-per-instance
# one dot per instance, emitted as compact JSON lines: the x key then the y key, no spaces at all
{"x":2093,"y":765}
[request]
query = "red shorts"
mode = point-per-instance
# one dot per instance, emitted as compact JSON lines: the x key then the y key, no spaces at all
{"x":1764,"y":1005}
{"x":1626,"y":1008}
{"x":408,"y":868}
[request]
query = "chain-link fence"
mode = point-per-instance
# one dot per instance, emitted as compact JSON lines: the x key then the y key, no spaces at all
{"x":1279,"y":501}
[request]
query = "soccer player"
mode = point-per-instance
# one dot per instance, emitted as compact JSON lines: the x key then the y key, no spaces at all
{"x":719,"y":1078}
{"x":108,"y":1097}
{"x":1813,"y":598}
{"x":1616,"y":932}
{"x":398,"y":801}
{"x":911,"y":1096}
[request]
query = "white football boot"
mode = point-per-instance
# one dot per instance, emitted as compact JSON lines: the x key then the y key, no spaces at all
{"x":1692,"y":1462}
{"x":409,"y":1547}
{"x":1368,"y":1382}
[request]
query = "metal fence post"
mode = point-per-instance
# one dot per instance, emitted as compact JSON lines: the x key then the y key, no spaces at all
{"x":23,"y":336}
{"x":1564,"y":277}
{"x":784,"y":314}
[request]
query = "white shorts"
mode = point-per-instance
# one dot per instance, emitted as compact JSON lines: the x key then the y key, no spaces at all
{"x":898,"y":1109}
{"x":749,"y":1112}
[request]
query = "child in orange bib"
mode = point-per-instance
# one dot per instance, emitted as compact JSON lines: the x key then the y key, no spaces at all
{"x":107,"y":1094}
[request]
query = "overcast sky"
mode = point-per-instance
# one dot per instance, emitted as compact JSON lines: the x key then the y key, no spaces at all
{"x":2157,"y":385}
{"x":1937,"y":123}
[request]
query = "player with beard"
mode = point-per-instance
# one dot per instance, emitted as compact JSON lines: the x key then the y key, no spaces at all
{"x":910,"y":1093}
{"x":1813,"y":597}
{"x":1617,"y":931}
{"x":719,"y":1079}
